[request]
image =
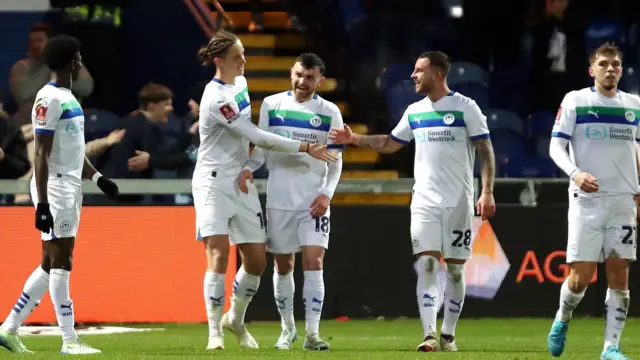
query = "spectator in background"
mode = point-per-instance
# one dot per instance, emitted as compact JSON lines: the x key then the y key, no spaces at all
{"x":140,"y":152}
{"x":29,"y":75}
{"x":14,"y":162}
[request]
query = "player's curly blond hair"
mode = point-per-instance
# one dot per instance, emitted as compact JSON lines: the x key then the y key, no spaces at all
{"x":217,"y":47}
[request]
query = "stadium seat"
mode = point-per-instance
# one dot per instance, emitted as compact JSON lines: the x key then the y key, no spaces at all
{"x":467,"y":72}
{"x":506,"y":144}
{"x":100,"y":123}
{"x":541,"y":124}
{"x":542,"y":145}
{"x":398,"y":98}
{"x":395,"y":74}
{"x":529,"y":166}
{"x":630,"y":80}
{"x":502,"y":119}
{"x":475,"y":90}
{"x":365,"y":174}
{"x":601,"y":31}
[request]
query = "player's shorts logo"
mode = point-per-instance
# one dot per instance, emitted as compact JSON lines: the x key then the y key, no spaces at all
{"x":315,"y":121}
{"x":630,"y":116}
{"x":65,"y":225}
{"x":449,"y":119}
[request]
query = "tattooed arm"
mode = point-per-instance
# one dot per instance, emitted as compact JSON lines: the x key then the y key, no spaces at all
{"x":488,"y":163}
{"x":385,"y":144}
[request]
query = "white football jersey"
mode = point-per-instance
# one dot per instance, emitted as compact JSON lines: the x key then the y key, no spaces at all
{"x":222,"y":108}
{"x":445,"y":154}
{"x":56,"y":111}
{"x":295,"y":180}
{"x":602,"y":132}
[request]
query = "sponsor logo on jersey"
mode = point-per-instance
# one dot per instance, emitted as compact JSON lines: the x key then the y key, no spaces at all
{"x":282,"y":132}
{"x":422,"y":136}
{"x":596,"y":132}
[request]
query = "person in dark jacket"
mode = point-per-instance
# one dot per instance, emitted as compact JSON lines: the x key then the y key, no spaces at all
{"x":14,"y":161}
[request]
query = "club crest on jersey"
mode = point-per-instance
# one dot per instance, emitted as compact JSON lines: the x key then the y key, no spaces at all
{"x":630,"y":116}
{"x":41,"y":106}
{"x":449,"y":118}
{"x":315,"y":121}
{"x":229,"y":114}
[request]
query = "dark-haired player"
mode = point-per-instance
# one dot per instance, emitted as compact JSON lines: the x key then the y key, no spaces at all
{"x":448,"y":129}
{"x":60,"y":166}
{"x":600,"y":125}
{"x":299,"y":191}
{"x":224,"y":214}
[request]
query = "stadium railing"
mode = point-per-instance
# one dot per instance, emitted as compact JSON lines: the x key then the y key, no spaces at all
{"x":521,"y":191}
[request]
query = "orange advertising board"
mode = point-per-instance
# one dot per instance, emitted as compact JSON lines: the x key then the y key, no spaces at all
{"x":131,"y":264}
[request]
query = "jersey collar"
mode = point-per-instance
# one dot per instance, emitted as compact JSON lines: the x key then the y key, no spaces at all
{"x":315,"y":95}
{"x":219,"y":81}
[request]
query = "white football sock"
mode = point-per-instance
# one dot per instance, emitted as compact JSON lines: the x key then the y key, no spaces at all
{"x":214,"y":300}
{"x":454,"y":298}
{"x":313,"y":298}
{"x":34,"y":289}
{"x":283,"y":292}
{"x":245,"y":287}
{"x":568,"y":302}
{"x":62,"y":303}
{"x":617,"y":305}
{"x":427,"y":292}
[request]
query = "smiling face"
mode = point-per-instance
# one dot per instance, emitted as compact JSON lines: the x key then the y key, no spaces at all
{"x":304,"y":82}
{"x":232,"y":63}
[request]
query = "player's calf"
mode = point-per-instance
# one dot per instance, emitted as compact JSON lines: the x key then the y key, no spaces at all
{"x":284,"y":291}
{"x":313,"y":290}
{"x":455,"y":292}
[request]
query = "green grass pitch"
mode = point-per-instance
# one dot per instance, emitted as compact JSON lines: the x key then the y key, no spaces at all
{"x":492,"y":339}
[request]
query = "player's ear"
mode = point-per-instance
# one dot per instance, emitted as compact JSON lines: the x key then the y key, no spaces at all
{"x":591,"y":71}
{"x":322,"y":79}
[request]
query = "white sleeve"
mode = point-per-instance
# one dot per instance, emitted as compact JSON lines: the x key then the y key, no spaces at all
{"x":565,"y":119}
{"x":334,"y":170}
{"x":227,"y":113}
{"x":476,"y":122}
{"x":256,"y":159}
{"x":559,"y":154}
{"x":336,"y":123}
{"x":46,"y":114}
{"x":265,"y":139}
{"x":402,"y":133}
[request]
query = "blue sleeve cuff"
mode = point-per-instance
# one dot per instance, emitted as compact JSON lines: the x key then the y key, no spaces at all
{"x":336,"y":146}
{"x":561,"y":135}
{"x":395,"y":138}
{"x":481,"y":136}
{"x":44,"y":131}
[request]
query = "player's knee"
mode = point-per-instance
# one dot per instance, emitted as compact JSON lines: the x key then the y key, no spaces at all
{"x":618,"y":274}
{"x":427,"y":264}
{"x":283,"y":263}
{"x":62,"y":262}
{"x":455,"y":272}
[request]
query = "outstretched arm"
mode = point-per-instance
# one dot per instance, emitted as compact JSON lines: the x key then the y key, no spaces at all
{"x":381,"y":143}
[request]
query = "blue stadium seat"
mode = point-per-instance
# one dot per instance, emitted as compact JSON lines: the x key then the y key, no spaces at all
{"x":541,"y":123}
{"x":502,"y":119}
{"x":465,"y":72}
{"x":476,"y":91}
{"x":100,"y":123}
{"x":630,"y":81}
{"x":398,"y":98}
{"x":529,"y":166}
{"x":601,"y":31}
{"x":394,"y":75}
{"x":542,"y":145}
{"x":506,"y":144}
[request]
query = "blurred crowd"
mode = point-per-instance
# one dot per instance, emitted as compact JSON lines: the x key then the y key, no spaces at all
{"x":515,"y":58}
